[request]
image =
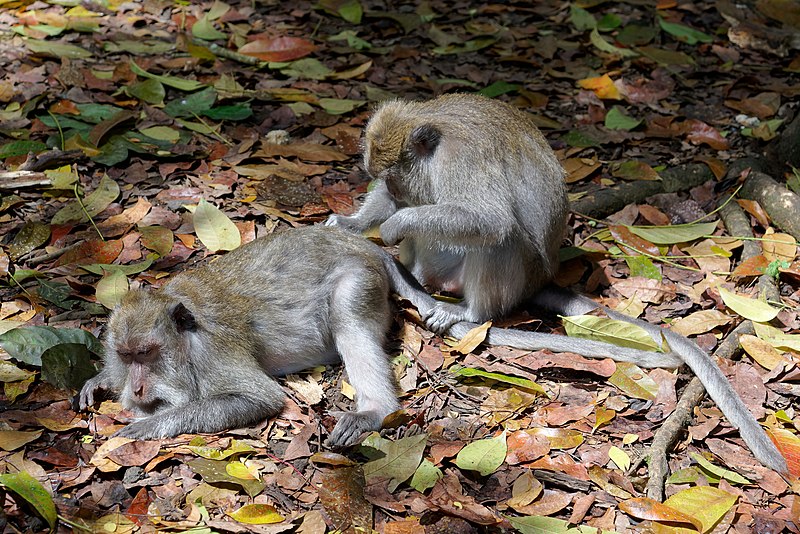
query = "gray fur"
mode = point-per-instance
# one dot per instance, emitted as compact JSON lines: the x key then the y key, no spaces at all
{"x":476,"y":198}
{"x":274,"y":306}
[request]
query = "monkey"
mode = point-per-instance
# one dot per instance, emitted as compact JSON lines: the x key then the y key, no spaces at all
{"x":476,"y":198}
{"x":200,"y":353}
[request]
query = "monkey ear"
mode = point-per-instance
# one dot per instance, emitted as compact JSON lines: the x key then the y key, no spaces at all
{"x":184,"y":320}
{"x":424,"y":140}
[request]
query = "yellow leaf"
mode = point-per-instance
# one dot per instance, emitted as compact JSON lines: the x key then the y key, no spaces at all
{"x":472,"y":339}
{"x":256,"y":514}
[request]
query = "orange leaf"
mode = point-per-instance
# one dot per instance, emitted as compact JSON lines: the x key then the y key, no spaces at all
{"x":603,"y":86}
{"x":278,"y":48}
{"x":789,"y":446}
{"x":751,"y":267}
{"x":644,"y":508}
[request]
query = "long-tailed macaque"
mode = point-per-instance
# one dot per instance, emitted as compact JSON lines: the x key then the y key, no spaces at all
{"x":476,"y":198}
{"x":198,"y":355}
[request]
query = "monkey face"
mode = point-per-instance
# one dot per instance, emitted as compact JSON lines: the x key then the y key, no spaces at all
{"x":145,"y":343}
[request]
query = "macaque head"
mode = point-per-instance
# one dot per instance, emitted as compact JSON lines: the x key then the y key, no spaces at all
{"x":147,"y":344}
{"x":398,"y":137}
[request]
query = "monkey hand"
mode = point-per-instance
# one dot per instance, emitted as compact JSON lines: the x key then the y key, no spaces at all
{"x":86,"y":397}
{"x":443,"y":316}
{"x":352,"y":425}
{"x":351,"y":224}
{"x":393,"y":229}
{"x":143,"y":429}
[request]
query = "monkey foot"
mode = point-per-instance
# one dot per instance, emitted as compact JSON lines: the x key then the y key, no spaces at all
{"x":352,"y":425}
{"x":443,"y":316}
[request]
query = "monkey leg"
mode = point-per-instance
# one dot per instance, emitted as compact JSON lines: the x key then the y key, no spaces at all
{"x":360,"y":315}
{"x":495,"y":280}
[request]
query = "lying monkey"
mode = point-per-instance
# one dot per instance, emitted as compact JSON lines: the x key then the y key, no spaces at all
{"x":198,"y":355}
{"x":476,"y":198}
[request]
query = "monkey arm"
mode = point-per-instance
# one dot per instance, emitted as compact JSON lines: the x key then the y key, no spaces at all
{"x":450,"y":223}
{"x":211,"y":414}
{"x":378,"y":206}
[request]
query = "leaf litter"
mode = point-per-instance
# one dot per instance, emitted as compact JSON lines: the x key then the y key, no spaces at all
{"x":172,"y":132}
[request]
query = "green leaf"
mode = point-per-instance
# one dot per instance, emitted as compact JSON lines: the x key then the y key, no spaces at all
{"x":97,"y":113}
{"x":351,"y":11}
{"x":213,"y":471}
{"x":204,"y":29}
{"x":399,"y":461}
{"x":753,"y":309}
{"x":29,"y":489}
{"x":62,"y":178}
{"x":32,"y":235}
{"x":425,"y":476}
{"x":719,"y":472}
{"x":180,"y":84}
{"x":111,"y":288}
{"x":643,"y":266}
{"x":235,"y":112}
{"x":684,"y":33}
{"x":67,"y":365}
{"x":107,"y":191}
{"x":256,"y":514}
{"x":162,"y":133}
{"x":210,"y":453}
{"x":140,"y":48}
{"x":157,"y":238}
{"x":484,"y":456}
{"x":581,"y":18}
{"x":634,"y":382}
{"x":308,"y":67}
{"x":580,"y":139}
{"x":609,"y":22}
{"x":27,"y":344}
{"x":150,"y":91}
{"x":339,"y":106}
{"x":616,"y":119}
{"x":21,"y":148}
{"x":214,"y":228}
{"x":499,"y":88}
{"x":192,"y":105}
{"x":57,"y":49}
{"x":523,"y":383}
{"x":134,"y":268}
{"x":679,"y":233}
{"x":604,"y":46}
{"x":612,"y":331}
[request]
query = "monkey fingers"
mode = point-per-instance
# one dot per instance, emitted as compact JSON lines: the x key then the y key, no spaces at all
{"x":86,"y":397}
{"x":352,"y":425}
{"x":444,"y":315}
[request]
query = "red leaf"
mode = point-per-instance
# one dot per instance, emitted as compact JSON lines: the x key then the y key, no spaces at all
{"x":278,"y":48}
{"x":137,"y":511}
{"x":91,"y":252}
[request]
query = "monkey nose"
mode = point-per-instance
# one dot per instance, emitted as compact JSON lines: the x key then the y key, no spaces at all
{"x":138,"y":392}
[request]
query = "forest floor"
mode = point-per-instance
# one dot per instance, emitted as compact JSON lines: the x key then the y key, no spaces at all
{"x":142,"y":139}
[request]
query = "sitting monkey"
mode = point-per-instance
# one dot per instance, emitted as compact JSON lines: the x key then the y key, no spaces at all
{"x":472,"y":192}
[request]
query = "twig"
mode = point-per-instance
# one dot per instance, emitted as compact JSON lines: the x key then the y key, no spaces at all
{"x":22,"y":179}
{"x":673,"y":426}
{"x":52,"y":255}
